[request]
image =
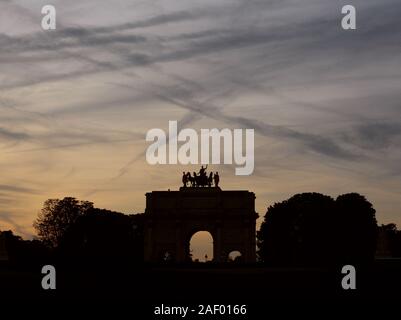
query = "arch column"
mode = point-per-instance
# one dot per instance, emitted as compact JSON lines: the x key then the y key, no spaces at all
{"x":149,"y":246}
{"x":217,"y":247}
{"x":180,"y":245}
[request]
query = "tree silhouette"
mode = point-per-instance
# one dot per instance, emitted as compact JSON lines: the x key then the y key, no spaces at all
{"x":23,"y":251}
{"x":57,"y":216}
{"x":293,"y":230}
{"x":392,"y":238}
{"x":313,"y":228}
{"x":357,"y":228}
{"x":104,"y":234}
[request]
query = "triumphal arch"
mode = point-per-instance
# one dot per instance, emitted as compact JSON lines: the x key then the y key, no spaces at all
{"x":172,"y":217}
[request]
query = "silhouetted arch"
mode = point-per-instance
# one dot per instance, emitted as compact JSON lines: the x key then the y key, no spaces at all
{"x":173,"y":217}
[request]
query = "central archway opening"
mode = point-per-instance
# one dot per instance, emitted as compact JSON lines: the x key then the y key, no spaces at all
{"x":201,"y":247}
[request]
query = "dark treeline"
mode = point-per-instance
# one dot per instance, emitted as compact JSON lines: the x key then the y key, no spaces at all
{"x":21,"y":252}
{"x":312,"y":228}
{"x":71,"y":230}
{"x":307,"y":229}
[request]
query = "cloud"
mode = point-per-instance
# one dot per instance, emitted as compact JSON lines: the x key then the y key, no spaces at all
{"x":17,"y":189}
{"x":68,"y":38}
{"x":16,"y":227}
{"x":306,"y":36}
{"x":12,"y":135}
{"x":376,"y":135}
{"x":323,"y":145}
{"x":56,"y":139}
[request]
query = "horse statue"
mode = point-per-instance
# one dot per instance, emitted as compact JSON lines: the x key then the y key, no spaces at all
{"x":200,"y":179}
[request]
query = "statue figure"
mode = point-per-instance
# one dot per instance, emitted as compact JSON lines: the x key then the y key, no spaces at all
{"x":201,"y":179}
{"x":216,"y":179}
{"x":202,"y":171}
{"x":184,"y":179}
{"x":194,"y":178}
{"x":189,"y":177}
{"x":210,"y":179}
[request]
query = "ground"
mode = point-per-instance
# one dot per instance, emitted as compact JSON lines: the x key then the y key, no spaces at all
{"x":203,"y":283}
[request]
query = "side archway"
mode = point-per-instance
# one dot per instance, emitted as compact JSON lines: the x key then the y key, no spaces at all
{"x":234,"y":256}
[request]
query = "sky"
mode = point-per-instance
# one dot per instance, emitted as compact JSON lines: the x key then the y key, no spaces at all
{"x":76,"y":102}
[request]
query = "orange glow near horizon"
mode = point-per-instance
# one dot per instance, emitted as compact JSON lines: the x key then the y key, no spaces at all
{"x":201,"y":245}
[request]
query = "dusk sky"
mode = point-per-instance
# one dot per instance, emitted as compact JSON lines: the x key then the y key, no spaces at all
{"x":76,"y":102}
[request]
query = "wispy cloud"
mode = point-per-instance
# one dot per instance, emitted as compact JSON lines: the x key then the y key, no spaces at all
{"x":17,"y":189}
{"x":12,"y":135}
